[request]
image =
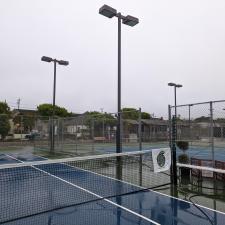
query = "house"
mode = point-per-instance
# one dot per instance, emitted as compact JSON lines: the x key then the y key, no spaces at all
{"x":26,"y":121}
{"x":151,"y":130}
{"x":23,"y":120}
{"x":154,"y":129}
{"x":130,"y":130}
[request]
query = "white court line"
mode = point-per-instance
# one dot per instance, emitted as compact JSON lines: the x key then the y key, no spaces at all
{"x":102,"y":198}
{"x":14,"y":158}
{"x":150,"y":190}
{"x":210,"y":209}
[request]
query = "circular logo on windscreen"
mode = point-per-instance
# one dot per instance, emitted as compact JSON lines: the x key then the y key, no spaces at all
{"x":161,"y":159}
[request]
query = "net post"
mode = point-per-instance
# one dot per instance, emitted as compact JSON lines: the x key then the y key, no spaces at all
{"x":119,"y":139}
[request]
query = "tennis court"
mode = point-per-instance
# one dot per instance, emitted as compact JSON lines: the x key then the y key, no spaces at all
{"x":206,"y":153}
{"x":85,"y":190}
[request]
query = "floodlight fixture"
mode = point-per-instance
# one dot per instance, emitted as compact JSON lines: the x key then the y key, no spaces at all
{"x":46,"y":59}
{"x":63,"y":63}
{"x":171,"y":84}
{"x":107,"y":11}
{"x":130,"y":21}
{"x":175,"y":94}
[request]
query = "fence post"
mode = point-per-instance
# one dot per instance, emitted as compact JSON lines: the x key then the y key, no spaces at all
{"x":211,"y":133}
{"x":49,"y":133}
{"x":169,"y":126}
{"x":173,"y":150}
{"x":140,"y":146}
{"x":21,"y":127}
{"x":58,"y":134}
{"x":75,"y":134}
{"x":62,"y":131}
{"x":189,"y":121}
{"x":122,"y":131}
{"x":172,"y":144}
{"x":103,"y":129}
{"x":139,"y":129}
{"x":92,"y":132}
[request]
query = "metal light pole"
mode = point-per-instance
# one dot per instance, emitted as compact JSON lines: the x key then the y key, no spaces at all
{"x":175,"y":94}
{"x":110,"y":12}
{"x":174,"y":138}
{"x":63,"y":63}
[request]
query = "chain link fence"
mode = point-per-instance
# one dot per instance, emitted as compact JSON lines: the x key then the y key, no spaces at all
{"x":96,"y":134}
{"x":86,"y":133}
{"x":202,"y":125}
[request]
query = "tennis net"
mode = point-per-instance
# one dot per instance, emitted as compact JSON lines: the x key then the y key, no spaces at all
{"x":203,"y":180}
{"x":33,"y":188}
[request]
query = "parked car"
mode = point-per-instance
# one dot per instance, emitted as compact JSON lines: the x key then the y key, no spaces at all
{"x":33,"y":136}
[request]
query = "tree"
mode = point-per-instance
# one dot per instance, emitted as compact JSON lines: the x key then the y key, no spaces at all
{"x":4,"y":125}
{"x":145,"y":115}
{"x":100,"y":117}
{"x":220,"y":120}
{"x":98,"y":120}
{"x":133,"y":114}
{"x":47,"y":110}
{"x":202,"y":119}
{"x":4,"y":108}
{"x":130,"y":113}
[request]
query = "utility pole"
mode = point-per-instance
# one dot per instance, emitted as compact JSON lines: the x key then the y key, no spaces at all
{"x":18,"y":103}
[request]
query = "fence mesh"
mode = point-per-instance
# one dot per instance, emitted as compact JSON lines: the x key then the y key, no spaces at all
{"x":88,"y":133}
{"x":202,"y":125}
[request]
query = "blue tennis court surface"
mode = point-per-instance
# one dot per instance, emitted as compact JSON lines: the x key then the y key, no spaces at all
{"x":17,"y":157}
{"x":65,"y":189}
{"x":5,"y":159}
{"x":206,"y":153}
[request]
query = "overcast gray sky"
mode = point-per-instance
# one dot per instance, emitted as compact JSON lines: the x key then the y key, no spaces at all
{"x":176,"y":40}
